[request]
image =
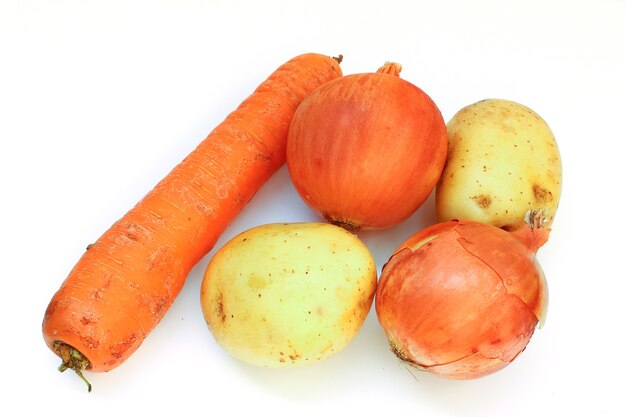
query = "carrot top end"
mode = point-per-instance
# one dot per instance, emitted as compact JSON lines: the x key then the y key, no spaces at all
{"x":72,"y":359}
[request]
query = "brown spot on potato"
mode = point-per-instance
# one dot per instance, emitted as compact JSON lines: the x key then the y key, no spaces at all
{"x":541,"y":194}
{"x":483,"y":201}
{"x":219,"y":306}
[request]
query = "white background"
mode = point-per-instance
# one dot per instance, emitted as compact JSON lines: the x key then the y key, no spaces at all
{"x":99,"y":100}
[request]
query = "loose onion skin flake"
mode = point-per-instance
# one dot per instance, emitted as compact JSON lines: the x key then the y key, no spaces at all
{"x":462,"y":299}
{"x":366,"y":150}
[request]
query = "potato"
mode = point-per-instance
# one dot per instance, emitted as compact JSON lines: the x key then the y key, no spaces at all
{"x":503,"y":161}
{"x":283,"y":295}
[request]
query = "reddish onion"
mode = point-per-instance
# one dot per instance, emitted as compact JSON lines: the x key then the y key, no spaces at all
{"x":366,"y":150}
{"x":462,"y":299}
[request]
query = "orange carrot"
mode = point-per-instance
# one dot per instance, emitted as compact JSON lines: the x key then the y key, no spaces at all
{"x":125,"y":282}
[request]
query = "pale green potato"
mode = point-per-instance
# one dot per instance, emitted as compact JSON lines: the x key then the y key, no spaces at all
{"x":503,"y":161}
{"x":283,"y":295}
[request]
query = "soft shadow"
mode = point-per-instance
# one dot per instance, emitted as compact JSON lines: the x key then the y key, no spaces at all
{"x":325,"y":381}
{"x":382,"y":243}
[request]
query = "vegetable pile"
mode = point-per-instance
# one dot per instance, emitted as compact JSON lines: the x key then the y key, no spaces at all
{"x":460,"y":298}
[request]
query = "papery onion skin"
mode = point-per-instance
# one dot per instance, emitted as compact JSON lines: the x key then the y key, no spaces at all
{"x":366,"y":151}
{"x":461,"y":299}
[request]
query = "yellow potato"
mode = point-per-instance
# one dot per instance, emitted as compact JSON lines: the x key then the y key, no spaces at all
{"x":282,"y":295}
{"x":503,"y":161}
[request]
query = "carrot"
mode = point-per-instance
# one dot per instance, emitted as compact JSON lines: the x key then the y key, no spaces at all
{"x":125,"y":282}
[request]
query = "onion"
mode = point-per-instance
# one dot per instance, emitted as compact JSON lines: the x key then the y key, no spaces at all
{"x":366,"y":150}
{"x":461,"y":299}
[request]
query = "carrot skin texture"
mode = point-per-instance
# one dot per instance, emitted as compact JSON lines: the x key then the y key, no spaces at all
{"x":121,"y":287}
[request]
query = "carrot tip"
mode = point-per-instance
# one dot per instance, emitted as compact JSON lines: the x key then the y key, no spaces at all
{"x":72,"y":359}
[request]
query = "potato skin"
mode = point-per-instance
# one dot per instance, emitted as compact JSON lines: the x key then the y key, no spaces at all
{"x":503,"y":161}
{"x":288,"y":294}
